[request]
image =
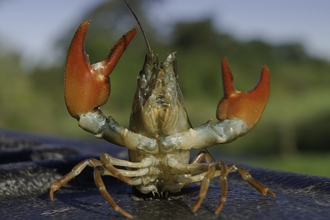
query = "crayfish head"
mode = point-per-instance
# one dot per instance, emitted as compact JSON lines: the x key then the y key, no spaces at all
{"x":158,"y":107}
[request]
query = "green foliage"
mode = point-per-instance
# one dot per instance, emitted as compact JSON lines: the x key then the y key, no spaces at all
{"x":22,"y":106}
{"x":304,"y":163}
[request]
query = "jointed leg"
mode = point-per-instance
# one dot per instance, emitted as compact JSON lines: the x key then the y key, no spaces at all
{"x":209,"y":171}
{"x":74,"y":172}
{"x":224,"y":186}
{"x":204,"y":187}
{"x":210,"y":174}
{"x":205,"y":172}
{"x":253,"y":182}
{"x":105,"y":167}
{"x":202,"y":156}
{"x":109,"y":170}
{"x":188,"y":178}
{"x":106,"y":158}
{"x":101,"y":187}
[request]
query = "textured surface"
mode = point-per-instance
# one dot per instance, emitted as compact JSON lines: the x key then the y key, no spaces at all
{"x":29,"y":163}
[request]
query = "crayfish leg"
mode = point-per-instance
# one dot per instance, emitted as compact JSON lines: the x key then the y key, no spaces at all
{"x":206,"y":182}
{"x":264,"y":190}
{"x":101,"y":187}
{"x":69,"y":176}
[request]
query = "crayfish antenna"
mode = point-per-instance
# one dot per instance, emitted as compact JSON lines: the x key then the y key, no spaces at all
{"x":143,"y":33}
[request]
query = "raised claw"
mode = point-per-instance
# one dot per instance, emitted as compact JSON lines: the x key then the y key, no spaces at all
{"x":245,"y":106}
{"x":88,"y":86}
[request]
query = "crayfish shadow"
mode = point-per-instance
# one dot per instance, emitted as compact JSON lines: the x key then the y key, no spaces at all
{"x":186,"y":193}
{"x":166,"y":206}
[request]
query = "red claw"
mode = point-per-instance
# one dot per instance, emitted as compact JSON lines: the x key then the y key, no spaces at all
{"x":245,"y":106}
{"x":88,"y":86}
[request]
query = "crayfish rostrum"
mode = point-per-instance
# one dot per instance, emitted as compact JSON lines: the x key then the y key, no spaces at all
{"x":159,"y":137}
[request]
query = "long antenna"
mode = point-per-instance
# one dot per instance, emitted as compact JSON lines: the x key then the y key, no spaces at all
{"x":137,"y":20}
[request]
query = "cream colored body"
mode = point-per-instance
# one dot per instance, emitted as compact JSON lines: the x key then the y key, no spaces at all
{"x":160,"y":131}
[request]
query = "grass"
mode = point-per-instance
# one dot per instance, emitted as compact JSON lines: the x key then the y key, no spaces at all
{"x":317,"y":164}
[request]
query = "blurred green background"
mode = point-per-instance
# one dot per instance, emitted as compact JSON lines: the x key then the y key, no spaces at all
{"x":292,"y":135}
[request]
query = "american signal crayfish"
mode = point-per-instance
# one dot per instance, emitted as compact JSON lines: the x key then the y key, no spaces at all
{"x":159,"y":137}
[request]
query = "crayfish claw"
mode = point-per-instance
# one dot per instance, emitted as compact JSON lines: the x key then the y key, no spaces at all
{"x":88,"y":86}
{"x":247,"y":106}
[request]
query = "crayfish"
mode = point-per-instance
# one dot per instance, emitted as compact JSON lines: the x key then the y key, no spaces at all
{"x":159,"y":137}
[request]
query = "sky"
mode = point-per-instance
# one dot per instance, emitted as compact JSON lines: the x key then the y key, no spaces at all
{"x":31,"y":27}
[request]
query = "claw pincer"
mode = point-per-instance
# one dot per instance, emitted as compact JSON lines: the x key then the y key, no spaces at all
{"x":87,"y":86}
{"x":245,"y":106}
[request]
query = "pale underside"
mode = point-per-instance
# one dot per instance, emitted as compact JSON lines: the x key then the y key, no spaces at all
{"x":160,"y":132}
